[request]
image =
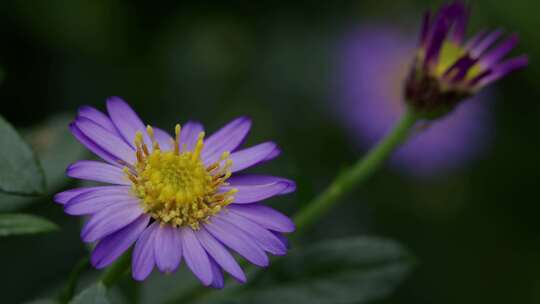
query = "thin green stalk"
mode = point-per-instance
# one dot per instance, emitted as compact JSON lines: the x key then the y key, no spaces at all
{"x":357,"y":174}
{"x":342,"y":185}
{"x":69,"y":290}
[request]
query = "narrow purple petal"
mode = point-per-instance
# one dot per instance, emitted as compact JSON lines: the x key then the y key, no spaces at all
{"x":107,"y":141}
{"x":246,"y":158}
{"x":473,"y":82}
{"x":167,"y":248}
{"x":227,"y":138}
{"x":217,"y":275}
{"x":91,"y":204}
{"x":97,"y":171}
{"x":195,"y":256}
{"x":220,"y":254}
{"x":424,"y":32}
{"x":189,"y":134}
{"x":110,"y":220}
{"x":254,"y":188}
{"x":92,"y":146}
{"x":283,"y":239}
{"x":64,"y":197}
{"x":266,"y":240}
{"x":460,"y":25}
{"x":474,"y":41}
{"x":504,"y":69}
{"x":264,"y":216}
{"x":237,"y":240}
{"x":94,"y":201}
{"x":126,"y":121}
{"x":163,"y":139}
{"x":439,"y":32}
{"x":143,"y":253}
{"x":485,"y":43}
{"x":111,"y":247}
{"x":459,"y":70}
{"x":493,"y":56}
{"x":98,"y":117}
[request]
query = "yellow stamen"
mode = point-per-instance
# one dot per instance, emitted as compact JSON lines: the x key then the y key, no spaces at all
{"x":177,"y":132}
{"x":175,"y":187}
{"x":198,"y":147}
{"x":150,"y":132}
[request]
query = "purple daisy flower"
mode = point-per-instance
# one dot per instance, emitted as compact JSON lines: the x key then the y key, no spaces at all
{"x":371,"y":69}
{"x":447,"y":68}
{"x":174,"y":197}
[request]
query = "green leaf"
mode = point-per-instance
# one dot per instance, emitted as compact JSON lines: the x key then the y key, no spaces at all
{"x":17,"y":224}
{"x":351,"y":270}
{"x":20,"y":172}
{"x":56,"y":149}
{"x":43,"y":301}
{"x":95,"y":294}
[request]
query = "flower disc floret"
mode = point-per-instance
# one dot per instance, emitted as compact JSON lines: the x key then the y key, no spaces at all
{"x":175,"y":187}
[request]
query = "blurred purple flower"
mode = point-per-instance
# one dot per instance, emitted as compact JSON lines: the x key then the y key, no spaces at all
{"x":373,"y":63}
{"x":174,"y":197}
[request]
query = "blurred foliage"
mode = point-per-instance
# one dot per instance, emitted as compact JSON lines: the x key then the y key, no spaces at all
{"x":349,"y":270}
{"x":21,"y":173}
{"x":95,"y":294}
{"x":56,"y":149}
{"x":475,"y":232}
{"x":15,"y":224}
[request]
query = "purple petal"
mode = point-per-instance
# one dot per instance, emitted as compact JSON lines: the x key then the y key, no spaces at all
{"x":217,"y":275}
{"x":227,"y":138}
{"x":246,"y":158}
{"x":474,"y":41}
{"x":220,"y":254}
{"x":504,"y":69}
{"x":195,"y":256}
{"x":190,"y":134}
{"x":167,"y":248}
{"x":94,"y":201}
{"x":473,"y":82}
{"x":92,"y":146}
{"x":266,"y":240}
{"x":97,"y":171}
{"x":459,"y":70}
{"x":111,"y":247}
{"x":163,"y":139}
{"x":126,"y":121}
{"x":64,"y":197}
{"x":143,"y":253}
{"x":109,"y":220}
{"x":425,"y":28}
{"x":237,"y":240}
{"x":264,"y":216}
{"x":98,"y":117}
{"x":254,"y":188}
{"x":283,"y":239}
{"x":439,"y":32}
{"x":499,"y":52}
{"x":485,"y":43}
{"x":460,"y":25}
{"x":107,"y":141}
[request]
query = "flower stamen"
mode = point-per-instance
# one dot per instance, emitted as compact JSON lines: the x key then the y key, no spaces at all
{"x":175,"y":187}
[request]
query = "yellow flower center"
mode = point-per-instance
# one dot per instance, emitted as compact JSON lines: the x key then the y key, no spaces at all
{"x":175,"y":187}
{"x":450,"y":53}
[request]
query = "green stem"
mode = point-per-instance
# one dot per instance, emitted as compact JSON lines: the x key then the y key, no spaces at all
{"x":116,"y":270}
{"x":342,"y":185}
{"x":357,"y":174}
{"x":69,"y":290}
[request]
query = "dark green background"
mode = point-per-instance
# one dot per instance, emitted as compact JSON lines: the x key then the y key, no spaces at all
{"x":475,"y":232}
